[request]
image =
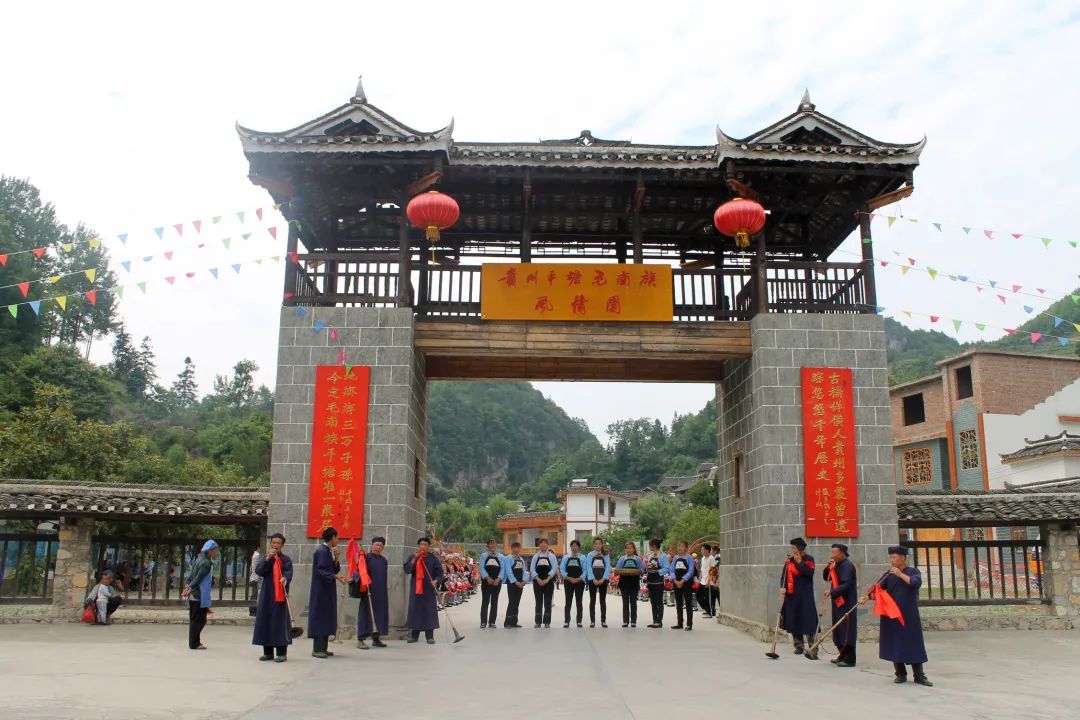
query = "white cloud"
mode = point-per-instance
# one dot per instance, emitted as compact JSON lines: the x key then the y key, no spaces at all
{"x":123,"y":115}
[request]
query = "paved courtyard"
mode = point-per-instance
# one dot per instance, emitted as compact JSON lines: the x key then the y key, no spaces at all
{"x":146,"y":671}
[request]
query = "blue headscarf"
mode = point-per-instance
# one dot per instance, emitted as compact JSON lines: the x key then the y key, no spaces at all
{"x":208,"y":546}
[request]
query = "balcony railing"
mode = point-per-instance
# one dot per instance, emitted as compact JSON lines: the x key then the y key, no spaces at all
{"x":452,"y":292}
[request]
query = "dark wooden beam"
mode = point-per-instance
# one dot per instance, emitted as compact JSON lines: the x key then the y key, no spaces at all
{"x":526,"y":217}
{"x":867,"y":243}
{"x":635,"y":226}
{"x":889,"y":198}
{"x":418,"y":186}
{"x":279,"y":188}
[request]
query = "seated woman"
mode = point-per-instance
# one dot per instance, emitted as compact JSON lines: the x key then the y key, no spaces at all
{"x":105,"y":598}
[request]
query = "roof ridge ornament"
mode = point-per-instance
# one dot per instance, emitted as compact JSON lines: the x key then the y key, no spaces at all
{"x":805,"y":105}
{"x":359,"y":96}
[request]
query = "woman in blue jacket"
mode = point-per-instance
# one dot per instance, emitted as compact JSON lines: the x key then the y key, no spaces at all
{"x":598,"y":573}
{"x":572,"y":572}
{"x":629,"y":568}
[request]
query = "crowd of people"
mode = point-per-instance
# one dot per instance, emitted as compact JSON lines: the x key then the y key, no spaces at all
{"x":435,"y":581}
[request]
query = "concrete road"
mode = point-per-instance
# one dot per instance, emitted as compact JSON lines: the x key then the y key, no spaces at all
{"x":146,"y":671}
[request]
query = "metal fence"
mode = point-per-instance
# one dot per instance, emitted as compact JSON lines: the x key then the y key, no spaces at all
{"x":27,"y":564}
{"x":980,"y":572}
{"x":152,"y":571}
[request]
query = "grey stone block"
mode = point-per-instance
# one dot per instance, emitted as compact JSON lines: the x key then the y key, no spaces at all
{"x":396,"y":317}
{"x":296,"y":394}
{"x":376,"y":337}
{"x":791,"y":338}
{"x":823,"y":339}
{"x":806,"y":321}
{"x":394,"y":356}
{"x":294,"y":356}
{"x":362,"y":317}
{"x":841,"y":358}
{"x":391,"y":394}
{"x":810,"y":357}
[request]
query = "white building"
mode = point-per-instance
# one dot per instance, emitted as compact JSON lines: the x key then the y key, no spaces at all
{"x":589,"y":510}
{"x":1051,"y":419}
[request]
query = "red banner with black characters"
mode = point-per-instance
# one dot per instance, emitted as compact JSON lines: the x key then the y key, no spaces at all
{"x":338,"y":450}
{"x":831,"y":473}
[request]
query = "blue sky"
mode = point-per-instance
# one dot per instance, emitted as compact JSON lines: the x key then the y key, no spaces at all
{"x":123,"y":115}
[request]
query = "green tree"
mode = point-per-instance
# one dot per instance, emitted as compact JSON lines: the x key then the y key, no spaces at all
{"x":450,"y":520}
{"x":703,"y":495}
{"x":638,"y":449}
{"x":185,"y":387}
{"x":655,"y":514}
{"x":127,"y":366}
{"x":693,"y":524}
{"x":616,"y":537}
{"x":93,"y":391}
{"x":484,"y":520}
{"x":239,"y":390}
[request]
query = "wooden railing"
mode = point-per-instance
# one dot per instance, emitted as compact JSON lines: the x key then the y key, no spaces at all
{"x":699,"y":294}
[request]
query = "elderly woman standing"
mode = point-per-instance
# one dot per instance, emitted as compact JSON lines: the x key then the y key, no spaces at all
{"x":197,"y":592}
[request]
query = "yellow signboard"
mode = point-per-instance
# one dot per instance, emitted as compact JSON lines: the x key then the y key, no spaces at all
{"x":588,"y":292}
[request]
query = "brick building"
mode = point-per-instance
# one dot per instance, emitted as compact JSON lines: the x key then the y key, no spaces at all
{"x":951,"y":430}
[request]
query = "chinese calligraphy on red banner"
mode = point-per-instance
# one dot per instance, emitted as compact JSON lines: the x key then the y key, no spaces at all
{"x":832,"y":502}
{"x":338,"y":450}
{"x":590,"y":292}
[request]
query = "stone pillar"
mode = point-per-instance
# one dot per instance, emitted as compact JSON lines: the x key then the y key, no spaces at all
{"x":71,"y":577}
{"x":394,"y":501}
{"x":1062,"y":570}
{"x":760,"y":408}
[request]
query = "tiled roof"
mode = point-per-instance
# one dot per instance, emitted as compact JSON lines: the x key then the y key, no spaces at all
{"x":1016,"y":505}
{"x":54,"y":497}
{"x":534,"y":515}
{"x":1064,"y":441}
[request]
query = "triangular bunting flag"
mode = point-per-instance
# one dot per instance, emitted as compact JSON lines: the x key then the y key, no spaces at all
{"x":54,"y":279}
{"x":879,"y":309}
{"x":67,"y":247}
{"x":957,"y":323}
{"x":273,"y":232}
{"x":236,"y":267}
{"x":891,"y":219}
{"x":1042,"y":291}
{"x":967,"y":231}
{"x":1028,"y":309}
{"x":1002,"y":299}
{"x":225,"y":242}
{"x":1017,"y":235}
{"x":1046,"y":242}
{"x":24,"y":288}
{"x":119,"y":291}
{"x":123,"y":238}
{"x":189,"y":275}
{"x":348,"y":369}
{"x":1035,"y":337}
{"x":988,"y":233}
{"x":126,"y":264}
{"x":168,"y":254}
{"x":341,"y":356}
{"x":275,"y":258}
{"x":896,"y":253}
{"x":159,"y":231}
{"x":1073,"y":243}
{"x":1010,"y":331}
{"x":179,"y":229}
{"x":142,"y":286}
{"x":932,"y":273}
{"x":35,"y":305}
{"x":240,"y":216}
{"x":937,"y":225}
{"x":38,"y":252}
{"x":14,"y":310}
{"x":1057,"y":320}
{"x":962,"y":278}
{"x":934,"y":318}
{"x":980,"y":326}
{"x":277,"y":206}
{"x":993,"y":283}
{"x":201,"y":245}
{"x":978,"y":288}
{"x":95,"y":243}
{"x":293,"y":256}
{"x":318,"y":326}
{"x":914,"y":220}
{"x":171,"y":279}
{"x":198,"y":225}
{"x":216,"y":219}
{"x":906,"y":312}
{"x":246,"y":235}
{"x":259,"y":261}
{"x":952,"y":277}
{"x":1016,"y":288}
{"x":147,"y":258}
{"x":884,"y":263}
{"x":289,"y":295}
{"x":904,"y":269}
{"x":299,"y":227}
{"x":91,"y":273}
{"x":911,"y":261}
{"x":301,"y":311}
{"x":91,"y":297}
{"x":3,"y":260}
{"x":213,"y":271}
{"x":259,"y":213}
{"x":333,"y":334}
{"x":1075,"y":298}
{"x":1063,"y":341}
{"x":871,"y":215}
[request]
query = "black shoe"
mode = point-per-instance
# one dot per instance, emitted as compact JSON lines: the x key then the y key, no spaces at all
{"x":491,"y":626}
{"x":378,"y":643}
{"x":798,"y":651}
{"x":811,"y":656}
{"x":320,"y":655}
{"x":677,"y":627}
{"x":626,"y":625}
{"x":921,"y":680}
{"x":280,"y":658}
{"x":266,"y":658}
{"x":836,"y":660}
{"x":483,"y":626}
{"x":431,"y":641}
{"x":579,"y":625}
{"x":633,"y":625}
{"x":537,"y":625}
{"x":547,"y":625}
{"x":845,"y":663}
{"x":329,"y":654}
{"x":689,"y":628}
{"x":592,"y":624}
{"x":412,"y":640}
{"x":566,"y":625}
{"x":900,"y":679}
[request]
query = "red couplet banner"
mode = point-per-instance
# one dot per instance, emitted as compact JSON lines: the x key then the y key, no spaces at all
{"x":338,"y":450}
{"x":832,"y":491}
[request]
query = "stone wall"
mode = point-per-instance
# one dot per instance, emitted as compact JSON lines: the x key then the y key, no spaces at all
{"x":381,"y":338}
{"x":1063,"y":561}
{"x":761,"y":422}
{"x":70,"y":581}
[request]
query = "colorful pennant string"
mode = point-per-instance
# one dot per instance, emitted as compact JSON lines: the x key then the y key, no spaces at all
{"x":891,"y":221}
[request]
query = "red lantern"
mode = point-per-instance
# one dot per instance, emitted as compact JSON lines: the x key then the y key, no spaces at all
{"x":433,"y":211}
{"x":740,"y":218}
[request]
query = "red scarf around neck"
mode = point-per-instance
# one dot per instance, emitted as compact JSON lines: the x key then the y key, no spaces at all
{"x":357,"y":560}
{"x":421,"y":568}
{"x":838,"y":601}
{"x":791,"y":573}
{"x":279,"y":586}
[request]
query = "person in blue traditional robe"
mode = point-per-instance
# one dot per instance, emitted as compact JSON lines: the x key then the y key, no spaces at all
{"x":515,"y":576}
{"x":374,"y":602}
{"x":682,"y":577}
{"x":491,"y":568}
{"x":656,"y":571}
{"x":198,"y":592}
{"x":544,"y":570}
{"x":598,"y":575}
{"x":322,"y":601}
{"x":572,"y":572}
{"x":798,"y":613}
{"x":842,"y":594}
{"x":426,"y":572}
{"x":272,"y":621}
{"x":902,"y":643}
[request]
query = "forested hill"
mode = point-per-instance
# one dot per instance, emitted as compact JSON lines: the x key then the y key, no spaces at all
{"x":487,"y":437}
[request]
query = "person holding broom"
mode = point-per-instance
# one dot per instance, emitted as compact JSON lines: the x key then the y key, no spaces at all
{"x":798,"y":613}
{"x":843,"y":595}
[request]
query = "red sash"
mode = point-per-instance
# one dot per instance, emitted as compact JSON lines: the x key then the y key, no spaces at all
{"x":279,"y":587}
{"x":791,"y":573}
{"x":838,"y":601}
{"x":420,"y":569}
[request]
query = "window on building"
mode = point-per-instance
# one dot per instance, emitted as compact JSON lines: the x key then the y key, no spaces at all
{"x":977,"y":533}
{"x":513,"y":538}
{"x":964,"y":388}
{"x":553,"y":539}
{"x":741,"y":490}
{"x":914,"y":410}
{"x":583,"y":536}
{"x":916,"y":466}
{"x":1018,"y":533}
{"x":969,"y":449}
{"x":416,"y":477}
{"x":601,"y":506}
{"x":611,"y":507}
